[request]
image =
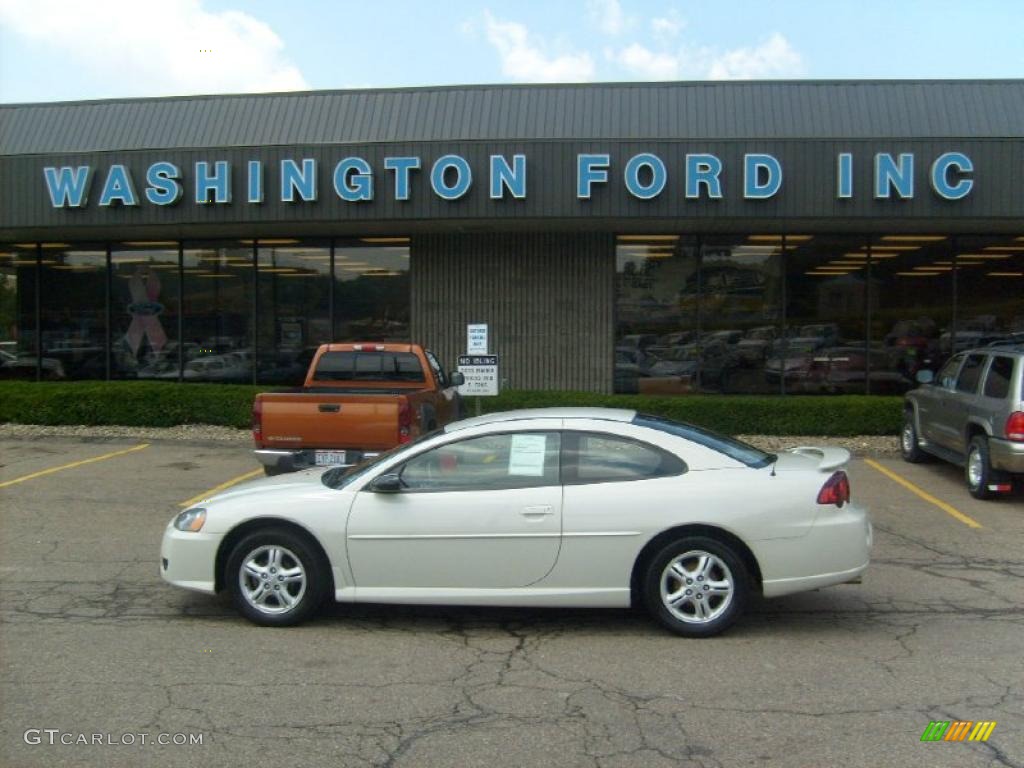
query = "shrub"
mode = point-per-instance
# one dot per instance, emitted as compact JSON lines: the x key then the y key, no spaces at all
{"x":166,"y":404}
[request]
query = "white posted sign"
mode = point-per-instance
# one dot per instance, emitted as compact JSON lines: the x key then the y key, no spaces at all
{"x":476,"y":339}
{"x":481,"y":372}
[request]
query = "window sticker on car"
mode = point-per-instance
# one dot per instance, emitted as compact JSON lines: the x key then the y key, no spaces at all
{"x":526,"y":458}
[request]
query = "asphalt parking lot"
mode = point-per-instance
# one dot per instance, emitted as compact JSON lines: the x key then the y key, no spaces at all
{"x":93,"y":642}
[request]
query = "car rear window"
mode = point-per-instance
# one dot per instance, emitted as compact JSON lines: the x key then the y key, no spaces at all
{"x":368,"y":366}
{"x":730,"y":446}
{"x":997,"y":383}
{"x":970,"y":374}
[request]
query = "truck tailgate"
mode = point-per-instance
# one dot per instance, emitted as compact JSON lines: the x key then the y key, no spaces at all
{"x":318,"y":420}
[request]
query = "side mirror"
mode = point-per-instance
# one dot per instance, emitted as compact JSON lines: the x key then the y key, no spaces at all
{"x":456,"y":378}
{"x":387,"y":483}
{"x":924,"y":376}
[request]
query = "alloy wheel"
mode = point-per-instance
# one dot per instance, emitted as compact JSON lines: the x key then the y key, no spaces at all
{"x":272,"y":579}
{"x":697,"y":587}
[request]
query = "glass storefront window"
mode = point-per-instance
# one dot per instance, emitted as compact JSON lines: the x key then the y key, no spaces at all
{"x":657,"y":292}
{"x":217,"y":337}
{"x":144,"y":310}
{"x":990,"y":291}
{"x":371,"y":289}
{"x":911,"y":306}
{"x":73,"y":322}
{"x":293,"y":307}
{"x":823,"y":349}
{"x":18,"y":358}
{"x":741,"y":312}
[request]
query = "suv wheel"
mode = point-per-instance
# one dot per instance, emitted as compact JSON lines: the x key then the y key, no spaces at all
{"x":978,"y":470}
{"x":909,"y":448}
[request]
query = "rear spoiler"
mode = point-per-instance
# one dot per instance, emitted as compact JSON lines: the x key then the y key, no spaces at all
{"x":828,"y":458}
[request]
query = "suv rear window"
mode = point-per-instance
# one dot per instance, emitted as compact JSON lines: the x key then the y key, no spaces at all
{"x":997,"y":383}
{"x":368,"y":366}
{"x":970,"y":374}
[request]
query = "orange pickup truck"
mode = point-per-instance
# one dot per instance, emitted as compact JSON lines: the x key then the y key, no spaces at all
{"x":358,"y":400}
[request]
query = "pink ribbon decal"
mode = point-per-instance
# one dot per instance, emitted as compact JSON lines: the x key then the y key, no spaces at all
{"x":145,"y":311}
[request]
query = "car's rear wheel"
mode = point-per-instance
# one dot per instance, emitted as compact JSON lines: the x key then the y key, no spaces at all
{"x":276,"y":577}
{"x":909,"y":448}
{"x":696,"y":586}
{"x":978,"y":469}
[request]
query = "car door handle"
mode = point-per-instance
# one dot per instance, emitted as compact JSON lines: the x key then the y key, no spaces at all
{"x":329,"y":408}
{"x":540,"y":511}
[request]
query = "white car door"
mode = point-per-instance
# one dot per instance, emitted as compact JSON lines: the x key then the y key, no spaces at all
{"x":481,"y":512}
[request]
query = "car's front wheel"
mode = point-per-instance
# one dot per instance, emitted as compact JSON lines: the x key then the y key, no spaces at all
{"x":978,"y":470}
{"x":696,"y":586}
{"x":909,"y":448}
{"x":276,"y":577}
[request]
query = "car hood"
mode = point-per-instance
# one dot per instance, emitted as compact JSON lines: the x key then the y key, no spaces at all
{"x":288,"y":482}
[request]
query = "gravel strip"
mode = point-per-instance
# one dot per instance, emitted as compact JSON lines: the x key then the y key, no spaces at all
{"x":862,"y":445}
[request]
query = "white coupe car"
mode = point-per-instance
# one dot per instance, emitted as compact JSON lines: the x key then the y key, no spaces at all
{"x":549,"y":507}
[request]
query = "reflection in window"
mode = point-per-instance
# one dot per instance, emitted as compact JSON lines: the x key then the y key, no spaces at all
{"x":217,"y":324}
{"x":656,"y":301}
{"x":144,"y":310}
{"x":741,"y":312}
{"x":73,"y":332}
{"x":990,"y":291}
{"x":371,"y":289}
{"x":18,"y":358}
{"x":293,"y":312}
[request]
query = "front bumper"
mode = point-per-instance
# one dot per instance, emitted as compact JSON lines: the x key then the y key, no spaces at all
{"x":188,"y":559}
{"x":1006,"y":455}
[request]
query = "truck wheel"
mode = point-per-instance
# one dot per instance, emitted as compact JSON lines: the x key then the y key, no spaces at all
{"x":978,"y":470}
{"x":909,"y":448}
{"x":272,"y":471}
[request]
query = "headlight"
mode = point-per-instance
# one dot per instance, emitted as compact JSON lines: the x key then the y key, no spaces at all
{"x":191,"y":520}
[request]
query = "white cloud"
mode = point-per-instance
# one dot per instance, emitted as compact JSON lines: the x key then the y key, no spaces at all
{"x":522,"y":59}
{"x":158,"y":48}
{"x":648,"y":64}
{"x":667,"y":27}
{"x":773,"y":58}
{"x":608,"y":16}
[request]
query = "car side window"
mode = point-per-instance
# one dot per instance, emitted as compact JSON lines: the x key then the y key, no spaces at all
{"x":489,"y":462}
{"x":593,"y":457}
{"x":947,"y":375}
{"x":435,"y":366}
{"x":1000,"y":373}
{"x":970,"y":374}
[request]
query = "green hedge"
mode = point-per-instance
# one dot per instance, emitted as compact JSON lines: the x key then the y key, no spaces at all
{"x":165,"y":404}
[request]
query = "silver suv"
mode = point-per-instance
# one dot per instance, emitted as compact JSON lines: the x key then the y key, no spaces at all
{"x":972,"y":414}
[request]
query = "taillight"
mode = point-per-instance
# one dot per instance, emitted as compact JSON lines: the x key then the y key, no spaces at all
{"x":836,"y":490}
{"x":1015,"y":427}
{"x":404,"y":421}
{"x":257,"y":420}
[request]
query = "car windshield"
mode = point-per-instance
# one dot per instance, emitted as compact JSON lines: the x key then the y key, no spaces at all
{"x":730,"y":446}
{"x":340,"y":477}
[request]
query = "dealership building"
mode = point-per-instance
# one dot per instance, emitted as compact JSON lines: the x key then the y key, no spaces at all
{"x":669,"y":238}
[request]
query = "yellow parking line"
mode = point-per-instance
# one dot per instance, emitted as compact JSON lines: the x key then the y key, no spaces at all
{"x":72,"y":465}
{"x":221,"y":487}
{"x":949,"y":510}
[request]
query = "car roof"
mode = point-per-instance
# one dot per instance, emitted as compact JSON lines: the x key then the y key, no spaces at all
{"x":606,"y":414}
{"x":1016,"y":348}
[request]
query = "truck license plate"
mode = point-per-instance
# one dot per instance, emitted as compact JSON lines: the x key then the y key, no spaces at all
{"x":329,"y":458}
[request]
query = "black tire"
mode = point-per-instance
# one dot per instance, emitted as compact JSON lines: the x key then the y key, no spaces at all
{"x":296,"y":550}
{"x":977,"y":450}
{"x":684,"y":620}
{"x":272,"y":471}
{"x":909,"y":448}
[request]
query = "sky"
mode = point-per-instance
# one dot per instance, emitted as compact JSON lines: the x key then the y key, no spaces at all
{"x":57,"y":50}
